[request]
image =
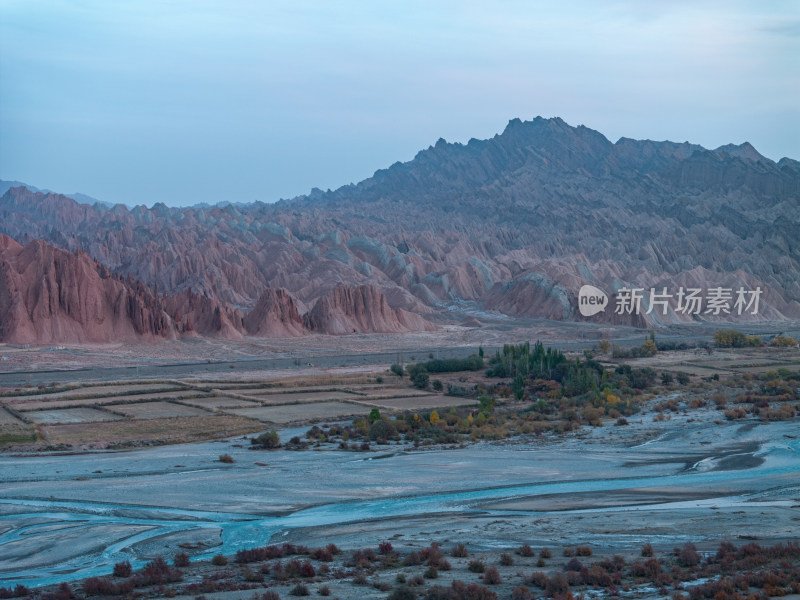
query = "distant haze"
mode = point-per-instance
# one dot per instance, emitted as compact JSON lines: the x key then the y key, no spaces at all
{"x":197,"y":101}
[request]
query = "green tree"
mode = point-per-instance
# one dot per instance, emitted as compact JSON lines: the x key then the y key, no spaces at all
{"x":374,"y":415}
{"x":269,"y":439}
{"x":486,"y":405}
{"x":420,"y":380}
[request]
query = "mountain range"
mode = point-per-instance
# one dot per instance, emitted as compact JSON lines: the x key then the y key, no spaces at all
{"x":513,"y":225}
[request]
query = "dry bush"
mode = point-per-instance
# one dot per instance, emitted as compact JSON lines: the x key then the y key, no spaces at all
{"x":492,"y":576}
{"x":525,"y":550}
{"x":476,"y":566}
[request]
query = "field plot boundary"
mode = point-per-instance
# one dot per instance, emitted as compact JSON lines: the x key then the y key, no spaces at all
{"x":417,"y":402}
{"x":59,"y":391}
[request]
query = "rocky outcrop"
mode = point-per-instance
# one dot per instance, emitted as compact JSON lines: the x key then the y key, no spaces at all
{"x":363,"y":309}
{"x":49,"y":295}
{"x":198,"y":314}
{"x":275,"y":315}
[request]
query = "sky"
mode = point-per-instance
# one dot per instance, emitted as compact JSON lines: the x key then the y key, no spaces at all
{"x":188,"y":101}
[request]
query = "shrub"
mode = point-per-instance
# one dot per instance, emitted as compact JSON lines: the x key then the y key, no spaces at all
{"x":396,"y":369}
{"x":181,"y":559}
{"x":269,"y":595}
{"x":385,"y":547}
{"x":539,"y":579}
{"x":583,"y":551}
{"x":687,"y":555}
{"x":101,"y":586}
{"x":568,"y":552}
{"x":156,"y":572}
{"x":431,"y":572}
{"x":573,"y":565}
{"x":506,"y":559}
{"x":524,"y":550}
{"x":545,"y":553}
{"x":299,"y":590}
{"x":269,"y":440}
{"x":521,"y":593}
{"x":307,"y":570}
{"x":492,"y":576}
{"x":459,"y":551}
{"x":476,"y":566}
{"x":226,"y":458}
{"x":473,"y":591}
{"x":322,"y":554}
{"x":402,"y":592}
{"x":557,"y":584}
{"x":383,"y":430}
{"x":122,"y":569}
{"x":219,"y":560}
{"x":647,"y":550}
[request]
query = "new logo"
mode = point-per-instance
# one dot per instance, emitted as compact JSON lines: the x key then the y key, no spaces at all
{"x":591,"y":300}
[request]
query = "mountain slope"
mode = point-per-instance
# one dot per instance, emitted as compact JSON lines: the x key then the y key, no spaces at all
{"x":515,"y":223}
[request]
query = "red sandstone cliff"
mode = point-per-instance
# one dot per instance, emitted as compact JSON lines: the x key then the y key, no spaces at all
{"x":275,"y":315}
{"x":360,"y":310}
{"x":49,"y":295}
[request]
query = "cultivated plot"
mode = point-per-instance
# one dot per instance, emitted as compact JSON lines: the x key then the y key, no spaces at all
{"x":215,"y":402}
{"x":98,"y":391}
{"x":37,"y":402}
{"x":289,"y":413}
{"x":71,"y":415}
{"x":158,"y":410}
{"x":6,"y":418}
{"x":296,"y":397}
{"x":125,"y":433}
{"x":377,"y":392}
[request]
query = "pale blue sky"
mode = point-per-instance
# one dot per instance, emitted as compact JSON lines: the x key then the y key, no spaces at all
{"x":184,"y":101}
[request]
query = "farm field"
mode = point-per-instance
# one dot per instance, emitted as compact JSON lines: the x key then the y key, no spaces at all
{"x":303,"y":397}
{"x":71,"y":415}
{"x":215,"y":402}
{"x":7,"y":419}
{"x":132,"y":433}
{"x":159,"y":410}
{"x":32,"y":403}
{"x":131,"y":413}
{"x":292,"y":413}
